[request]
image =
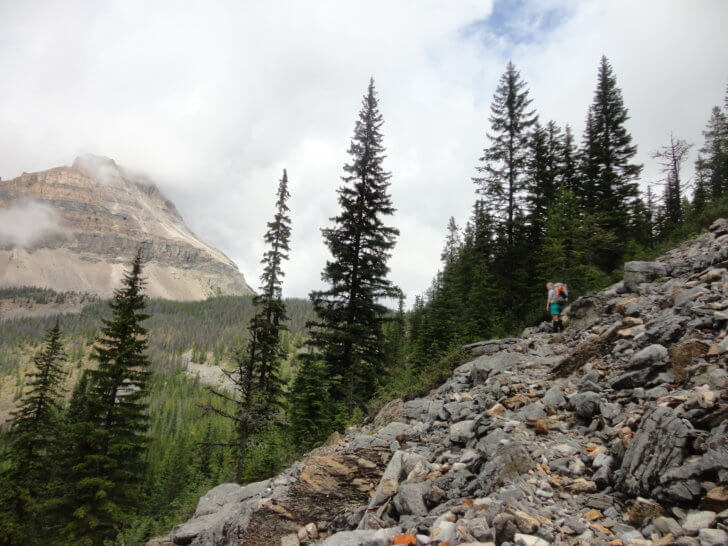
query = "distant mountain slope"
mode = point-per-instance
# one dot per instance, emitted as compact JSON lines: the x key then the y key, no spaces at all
{"x":76,"y":229}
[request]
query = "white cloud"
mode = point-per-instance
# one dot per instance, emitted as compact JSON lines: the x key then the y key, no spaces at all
{"x":214,"y":99}
{"x":25,"y":222}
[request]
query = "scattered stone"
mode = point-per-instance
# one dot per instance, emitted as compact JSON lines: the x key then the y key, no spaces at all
{"x":716,"y":499}
{"x":668,"y":525}
{"x":695,"y":521}
{"x":529,"y":540}
{"x":712,"y":537}
{"x":496,"y":411}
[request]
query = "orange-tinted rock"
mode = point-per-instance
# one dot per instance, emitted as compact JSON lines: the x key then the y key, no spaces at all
{"x":407,"y":538}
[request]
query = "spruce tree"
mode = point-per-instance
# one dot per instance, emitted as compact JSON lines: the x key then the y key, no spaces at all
{"x":609,"y":172}
{"x":504,"y":161}
{"x":35,"y":436}
{"x":110,"y":436}
{"x":267,"y":325}
{"x":258,"y":386}
{"x":348,"y":331}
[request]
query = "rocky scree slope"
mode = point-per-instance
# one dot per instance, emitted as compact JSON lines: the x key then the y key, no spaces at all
{"x":102,"y":214}
{"x":612,"y":433}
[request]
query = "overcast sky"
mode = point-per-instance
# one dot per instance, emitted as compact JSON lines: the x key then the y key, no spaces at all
{"x":213,"y":99}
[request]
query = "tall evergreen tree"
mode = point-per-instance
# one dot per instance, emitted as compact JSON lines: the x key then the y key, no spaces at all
{"x":348,"y":332}
{"x":609,"y":172}
{"x":258,"y":386}
{"x":111,"y":434}
{"x":504,"y":161}
{"x":35,"y":435}
{"x":267,"y":325}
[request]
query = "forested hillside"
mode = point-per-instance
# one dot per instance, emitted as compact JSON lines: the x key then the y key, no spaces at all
{"x":182,"y":461}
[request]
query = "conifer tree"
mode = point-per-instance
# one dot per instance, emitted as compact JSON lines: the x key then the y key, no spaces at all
{"x":258,"y":386}
{"x":310,"y":405}
{"x":569,"y":164}
{"x":110,"y":436}
{"x":713,"y":160}
{"x":267,"y":325}
{"x":35,"y":435}
{"x":504,"y":161}
{"x":452,"y":242}
{"x":543,"y":172}
{"x":609,"y":173}
{"x":348,"y":332}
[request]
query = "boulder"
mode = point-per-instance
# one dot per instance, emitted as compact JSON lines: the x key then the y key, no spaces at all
{"x":636,"y":273}
{"x":661,"y":444}
{"x":461,"y":432}
{"x":585,"y":404}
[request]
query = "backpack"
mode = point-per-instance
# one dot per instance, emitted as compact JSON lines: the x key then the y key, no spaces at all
{"x":561,"y":294}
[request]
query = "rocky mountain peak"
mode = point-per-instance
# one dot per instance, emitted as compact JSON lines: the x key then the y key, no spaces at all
{"x":95,"y":214}
{"x":614,"y":432}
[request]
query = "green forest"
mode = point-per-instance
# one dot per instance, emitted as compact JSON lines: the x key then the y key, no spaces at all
{"x":125,"y":452}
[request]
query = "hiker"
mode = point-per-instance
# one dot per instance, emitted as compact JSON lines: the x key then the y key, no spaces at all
{"x":557,"y":296}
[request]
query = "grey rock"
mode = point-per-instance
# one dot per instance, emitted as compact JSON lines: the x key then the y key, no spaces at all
{"x":511,"y":459}
{"x":410,"y":498}
{"x":393,"y":429}
{"x":668,"y":525}
{"x":712,"y":537}
{"x":553,"y":398}
{"x":228,"y":493}
{"x":504,"y":528}
{"x":652,"y":355}
{"x":529,"y":540}
{"x":389,"y":482}
{"x":636,"y":273}
{"x":461,"y":432}
{"x":695,"y":521}
{"x":488,"y":445}
{"x":484,"y":366}
{"x":585,"y":404}
{"x":421,"y":409}
{"x":660,"y":444}
{"x":531,"y":411}
{"x":666,"y":327}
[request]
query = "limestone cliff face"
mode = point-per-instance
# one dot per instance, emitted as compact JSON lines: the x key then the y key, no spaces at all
{"x":100,"y":215}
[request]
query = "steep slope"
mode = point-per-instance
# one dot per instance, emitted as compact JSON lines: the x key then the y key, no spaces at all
{"x":614,"y":432}
{"x":77,"y":228}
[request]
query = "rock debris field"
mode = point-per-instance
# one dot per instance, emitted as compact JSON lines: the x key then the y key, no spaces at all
{"x":614,"y":432}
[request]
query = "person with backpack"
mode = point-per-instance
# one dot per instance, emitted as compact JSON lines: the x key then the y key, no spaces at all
{"x":557,"y":296}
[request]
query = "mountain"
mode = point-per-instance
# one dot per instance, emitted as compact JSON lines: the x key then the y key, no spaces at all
{"x":613,"y":432}
{"x":76,"y":229}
